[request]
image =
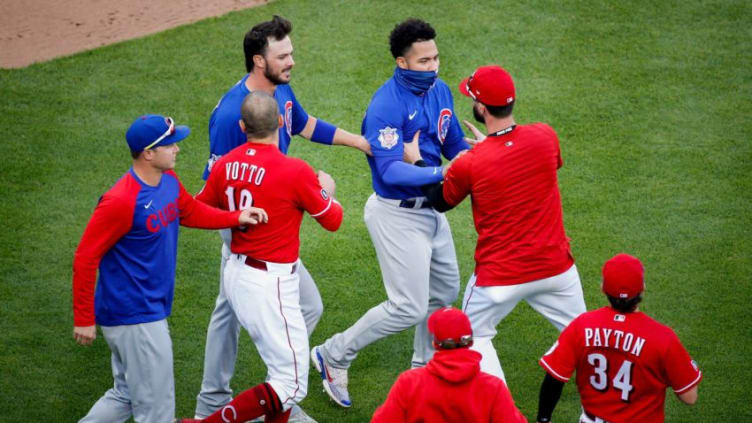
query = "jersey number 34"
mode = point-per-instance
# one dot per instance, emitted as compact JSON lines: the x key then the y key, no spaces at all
{"x":599,"y":379}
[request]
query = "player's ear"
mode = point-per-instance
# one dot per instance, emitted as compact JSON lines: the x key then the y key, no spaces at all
{"x":281,"y":122}
{"x":242,"y":125}
{"x":259,"y":61}
{"x":401,"y":62}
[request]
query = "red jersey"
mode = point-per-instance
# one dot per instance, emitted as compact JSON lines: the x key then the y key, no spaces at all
{"x":516,"y":205}
{"x":624,"y":363}
{"x":259,"y":175}
{"x":451,"y":388}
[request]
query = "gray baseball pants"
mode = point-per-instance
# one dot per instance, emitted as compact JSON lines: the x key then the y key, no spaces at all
{"x":221,"y":349}
{"x":142,"y":368}
{"x":418,"y":263}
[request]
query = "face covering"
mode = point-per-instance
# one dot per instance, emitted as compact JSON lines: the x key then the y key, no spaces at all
{"x":418,"y":82}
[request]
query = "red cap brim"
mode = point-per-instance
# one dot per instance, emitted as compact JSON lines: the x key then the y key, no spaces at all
{"x":463,"y":87}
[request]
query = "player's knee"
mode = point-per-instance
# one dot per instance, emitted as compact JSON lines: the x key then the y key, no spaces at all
{"x":411,"y":313}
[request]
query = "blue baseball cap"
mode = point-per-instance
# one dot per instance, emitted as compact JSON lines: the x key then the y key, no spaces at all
{"x":149,"y":131}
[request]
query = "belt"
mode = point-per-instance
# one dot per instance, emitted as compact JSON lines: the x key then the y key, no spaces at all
{"x":415,"y":204}
{"x":261,"y":265}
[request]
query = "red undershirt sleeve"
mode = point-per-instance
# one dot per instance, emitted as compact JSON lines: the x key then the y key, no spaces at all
{"x":196,"y":214}
{"x":112,"y":218}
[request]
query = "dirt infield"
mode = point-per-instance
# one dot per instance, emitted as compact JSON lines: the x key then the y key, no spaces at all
{"x":39,"y":30}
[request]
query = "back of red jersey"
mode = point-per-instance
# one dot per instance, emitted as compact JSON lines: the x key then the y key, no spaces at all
{"x":259,"y":175}
{"x":624,"y":364}
{"x":516,"y":205}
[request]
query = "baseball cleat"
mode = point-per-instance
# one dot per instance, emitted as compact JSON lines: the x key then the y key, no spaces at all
{"x":333,"y":379}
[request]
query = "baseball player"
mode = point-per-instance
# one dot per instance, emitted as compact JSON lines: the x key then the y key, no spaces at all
{"x":413,"y":242}
{"x":451,"y":388}
{"x":269,"y":61}
{"x":522,"y":251}
{"x":132,"y":239}
{"x":260,"y":279}
{"x":624,"y":359}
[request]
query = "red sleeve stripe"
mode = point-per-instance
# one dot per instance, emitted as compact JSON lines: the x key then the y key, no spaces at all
{"x":552,"y":371}
{"x":694,"y":382}
{"x":328,"y":206}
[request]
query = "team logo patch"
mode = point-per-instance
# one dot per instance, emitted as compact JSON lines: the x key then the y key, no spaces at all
{"x":324,"y":194}
{"x":388,"y":137}
{"x":445,"y":118}
{"x":288,"y":118}
{"x":250,"y":152}
{"x":620,"y":318}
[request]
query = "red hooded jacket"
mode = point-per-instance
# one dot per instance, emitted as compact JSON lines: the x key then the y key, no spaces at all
{"x":451,"y":388}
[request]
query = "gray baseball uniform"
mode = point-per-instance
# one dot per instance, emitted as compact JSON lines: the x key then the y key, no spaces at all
{"x":418,"y":264}
{"x":147,"y":392}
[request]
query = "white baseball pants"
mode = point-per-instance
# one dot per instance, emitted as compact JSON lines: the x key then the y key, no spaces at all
{"x":558,"y":298}
{"x":267,"y":305}
{"x":221,"y":348}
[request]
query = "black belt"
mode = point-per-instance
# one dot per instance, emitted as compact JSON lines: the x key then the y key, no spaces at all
{"x":261,"y":265}
{"x":410,"y":204}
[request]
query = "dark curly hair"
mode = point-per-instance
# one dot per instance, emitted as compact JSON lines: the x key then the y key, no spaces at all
{"x":406,"y":33}
{"x":257,"y":39}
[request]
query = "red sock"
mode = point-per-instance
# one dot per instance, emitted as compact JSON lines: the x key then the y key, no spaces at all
{"x":255,"y":402}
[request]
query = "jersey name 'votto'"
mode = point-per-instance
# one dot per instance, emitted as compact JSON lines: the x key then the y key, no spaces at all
{"x":613,"y":338}
{"x":237,"y":171}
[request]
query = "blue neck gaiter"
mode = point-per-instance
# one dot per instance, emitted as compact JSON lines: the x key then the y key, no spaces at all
{"x":418,"y":82}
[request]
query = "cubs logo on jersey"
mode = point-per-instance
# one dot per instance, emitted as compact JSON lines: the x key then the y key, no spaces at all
{"x":388,"y":137}
{"x":445,"y":119}
{"x":288,"y":118}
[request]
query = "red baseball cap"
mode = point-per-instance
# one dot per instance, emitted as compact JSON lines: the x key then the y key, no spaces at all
{"x":623,"y":276}
{"x":450,"y":324}
{"x":490,"y":85}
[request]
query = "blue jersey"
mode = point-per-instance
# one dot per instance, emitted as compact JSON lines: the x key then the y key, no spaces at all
{"x":393,"y":116}
{"x":132,"y":238}
{"x":225,"y":133}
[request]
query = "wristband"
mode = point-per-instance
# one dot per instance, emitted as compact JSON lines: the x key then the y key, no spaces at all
{"x":323,"y":132}
{"x":421,"y":163}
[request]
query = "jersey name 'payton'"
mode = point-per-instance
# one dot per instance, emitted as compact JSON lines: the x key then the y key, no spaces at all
{"x":614,"y":338}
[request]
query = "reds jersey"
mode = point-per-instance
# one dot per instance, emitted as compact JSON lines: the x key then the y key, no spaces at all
{"x":394,"y":115}
{"x":516,"y":205}
{"x":259,"y":175}
{"x":225,"y":133}
{"x":624,"y":363}
{"x":132,"y":238}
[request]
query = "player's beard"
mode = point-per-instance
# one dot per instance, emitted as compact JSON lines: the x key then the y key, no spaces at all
{"x":479,"y":117}
{"x":276,"y":77}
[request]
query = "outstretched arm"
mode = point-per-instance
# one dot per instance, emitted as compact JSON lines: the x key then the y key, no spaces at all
{"x":320,"y":131}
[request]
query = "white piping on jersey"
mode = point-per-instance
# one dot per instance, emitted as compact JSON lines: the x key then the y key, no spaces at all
{"x":679,"y":391}
{"x":325,"y":209}
{"x":553,"y":371}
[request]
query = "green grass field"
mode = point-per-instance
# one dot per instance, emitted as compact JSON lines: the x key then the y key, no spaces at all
{"x":651,"y":101}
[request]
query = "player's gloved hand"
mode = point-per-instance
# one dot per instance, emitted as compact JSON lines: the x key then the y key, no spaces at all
{"x":85,"y":335}
{"x":327,"y":182}
{"x":411,"y":152}
{"x":479,"y":136}
{"x":253,"y":216}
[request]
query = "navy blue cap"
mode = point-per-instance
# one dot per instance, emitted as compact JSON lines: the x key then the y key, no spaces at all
{"x":149,"y":131}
